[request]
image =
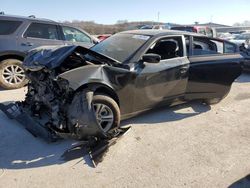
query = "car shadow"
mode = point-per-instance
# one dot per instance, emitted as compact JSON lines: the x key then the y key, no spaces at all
{"x":168,"y":114}
{"x":242,"y":183}
{"x":21,"y":150}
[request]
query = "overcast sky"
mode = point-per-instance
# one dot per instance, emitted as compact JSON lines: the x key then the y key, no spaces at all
{"x":109,"y":11}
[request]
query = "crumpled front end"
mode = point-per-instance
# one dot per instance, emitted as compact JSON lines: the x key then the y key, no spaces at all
{"x":52,"y":108}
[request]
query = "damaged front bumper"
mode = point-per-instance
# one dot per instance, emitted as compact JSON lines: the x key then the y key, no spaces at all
{"x":15,"y":111}
{"x":81,"y":120}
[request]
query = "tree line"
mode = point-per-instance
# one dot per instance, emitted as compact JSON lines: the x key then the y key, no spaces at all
{"x":121,"y":25}
{"x":97,"y":29}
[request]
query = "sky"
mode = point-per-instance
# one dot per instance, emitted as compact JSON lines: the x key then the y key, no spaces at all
{"x":109,"y":11}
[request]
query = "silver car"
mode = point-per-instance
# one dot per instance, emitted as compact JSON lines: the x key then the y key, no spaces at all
{"x":19,"y":34}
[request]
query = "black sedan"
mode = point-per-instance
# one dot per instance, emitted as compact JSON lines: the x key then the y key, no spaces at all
{"x":78,"y":92}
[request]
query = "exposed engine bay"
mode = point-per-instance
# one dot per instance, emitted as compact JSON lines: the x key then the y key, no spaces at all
{"x":52,"y":104}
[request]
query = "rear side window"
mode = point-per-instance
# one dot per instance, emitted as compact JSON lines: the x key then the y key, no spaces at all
{"x":204,"y":46}
{"x":42,"y":31}
{"x":8,"y":27}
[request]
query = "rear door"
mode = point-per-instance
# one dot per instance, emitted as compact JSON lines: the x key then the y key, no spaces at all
{"x":40,"y":34}
{"x":164,"y":81}
{"x":214,"y":65}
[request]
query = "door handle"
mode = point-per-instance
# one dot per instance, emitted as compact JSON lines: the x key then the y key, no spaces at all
{"x":27,"y":44}
{"x":183,"y":70}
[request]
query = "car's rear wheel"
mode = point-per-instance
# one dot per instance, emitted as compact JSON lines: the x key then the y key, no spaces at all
{"x":12,"y":74}
{"x":107,"y":112}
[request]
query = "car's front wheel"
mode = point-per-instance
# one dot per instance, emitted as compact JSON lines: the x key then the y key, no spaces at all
{"x":12,"y":74}
{"x":107,"y":112}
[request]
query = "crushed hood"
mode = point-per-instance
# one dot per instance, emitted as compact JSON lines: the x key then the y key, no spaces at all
{"x":52,"y":56}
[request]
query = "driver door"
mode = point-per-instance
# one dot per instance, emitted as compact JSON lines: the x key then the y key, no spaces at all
{"x":158,"y":83}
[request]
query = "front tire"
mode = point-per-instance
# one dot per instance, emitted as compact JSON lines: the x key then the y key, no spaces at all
{"x":12,"y":74}
{"x":107,"y":113}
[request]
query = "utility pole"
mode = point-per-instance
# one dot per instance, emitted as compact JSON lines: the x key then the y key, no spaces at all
{"x":158,"y":17}
{"x":211,"y":18}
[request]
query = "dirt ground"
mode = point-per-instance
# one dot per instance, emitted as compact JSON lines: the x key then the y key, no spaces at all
{"x":190,"y":145}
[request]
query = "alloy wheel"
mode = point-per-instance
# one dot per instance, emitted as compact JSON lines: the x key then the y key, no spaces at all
{"x":13,"y":74}
{"x":104,"y":116}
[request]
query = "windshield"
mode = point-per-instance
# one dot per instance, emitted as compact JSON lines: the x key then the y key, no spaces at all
{"x":120,"y":46}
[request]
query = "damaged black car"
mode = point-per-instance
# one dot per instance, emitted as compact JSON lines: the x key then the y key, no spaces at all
{"x":80,"y":93}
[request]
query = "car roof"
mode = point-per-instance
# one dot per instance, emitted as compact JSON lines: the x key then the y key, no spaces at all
{"x":158,"y":32}
{"x":21,"y":18}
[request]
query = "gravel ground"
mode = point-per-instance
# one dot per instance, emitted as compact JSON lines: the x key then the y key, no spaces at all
{"x":190,"y":145}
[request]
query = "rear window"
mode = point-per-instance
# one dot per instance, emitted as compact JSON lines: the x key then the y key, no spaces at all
{"x":8,"y":27}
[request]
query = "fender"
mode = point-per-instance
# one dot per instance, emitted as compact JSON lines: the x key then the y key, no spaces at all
{"x":114,"y":81}
{"x":12,"y":52}
{"x":88,"y":74}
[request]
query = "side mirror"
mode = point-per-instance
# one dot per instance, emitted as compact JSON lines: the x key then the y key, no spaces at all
{"x":151,"y":58}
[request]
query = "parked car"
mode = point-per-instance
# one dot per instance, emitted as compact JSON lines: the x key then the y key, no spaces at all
{"x":226,"y":36}
{"x":18,"y":35}
{"x":154,"y":27}
{"x":86,"y":92}
{"x":103,"y":37}
{"x":204,"y":30}
{"x":243,"y":38}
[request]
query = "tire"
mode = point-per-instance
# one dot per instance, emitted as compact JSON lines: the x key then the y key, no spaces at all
{"x":110,"y":107}
{"x":212,"y":101}
{"x":12,"y":75}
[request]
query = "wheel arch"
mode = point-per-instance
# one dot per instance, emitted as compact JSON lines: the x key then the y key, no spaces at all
{"x":12,"y":55}
{"x":101,"y":88}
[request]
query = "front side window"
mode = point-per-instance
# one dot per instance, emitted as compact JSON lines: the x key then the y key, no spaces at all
{"x":8,"y":27}
{"x":42,"y":31}
{"x":74,"y":35}
{"x":168,"y":48}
